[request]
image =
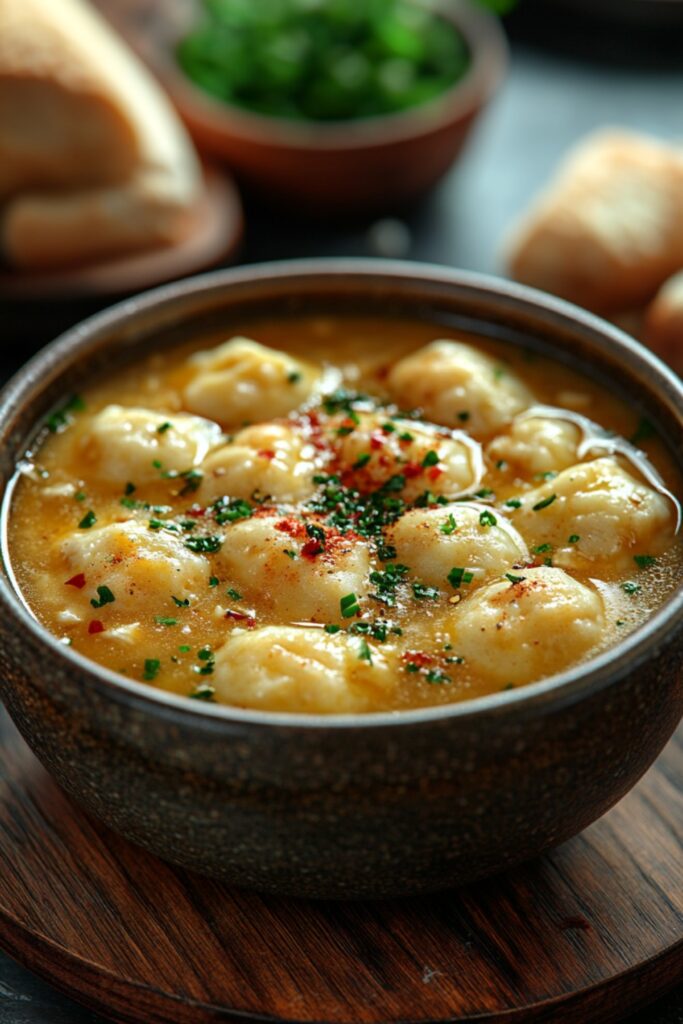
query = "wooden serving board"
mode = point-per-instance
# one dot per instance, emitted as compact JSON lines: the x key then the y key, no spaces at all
{"x":588,"y":933}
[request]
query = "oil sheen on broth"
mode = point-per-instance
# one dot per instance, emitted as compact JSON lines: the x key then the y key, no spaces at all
{"x":343,"y":515}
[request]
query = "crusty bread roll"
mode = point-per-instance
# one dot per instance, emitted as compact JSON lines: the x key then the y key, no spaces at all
{"x":663,"y":331}
{"x":608,"y":231}
{"x":93,"y":160}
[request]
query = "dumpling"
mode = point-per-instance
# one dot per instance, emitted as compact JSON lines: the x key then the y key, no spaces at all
{"x":276,"y":562}
{"x":271,"y":459}
{"x":458,"y":386}
{"x":123,"y":444}
{"x":436,"y":459}
{"x":243,"y":382}
{"x":301,"y":669}
{"x":595,"y":511}
{"x":518,"y":632}
{"x":537,"y":444}
{"x":432,"y":542}
{"x":144,"y":569}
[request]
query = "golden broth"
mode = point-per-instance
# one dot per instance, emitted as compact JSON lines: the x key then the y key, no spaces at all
{"x":174,"y":644}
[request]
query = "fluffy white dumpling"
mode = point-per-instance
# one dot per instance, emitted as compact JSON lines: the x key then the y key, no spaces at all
{"x":272,"y":459}
{"x":302,"y":585}
{"x":524,"y":631}
{"x":458,"y":386}
{"x":383,"y":448}
{"x":241,"y":382}
{"x":301,"y":669}
{"x":537,"y":444}
{"x":613,"y":515}
{"x":433,"y":541}
{"x":123,"y":443}
{"x":143,"y":568}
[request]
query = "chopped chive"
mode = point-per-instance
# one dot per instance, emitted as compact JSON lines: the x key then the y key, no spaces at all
{"x":630,"y":587}
{"x":421,"y":592}
{"x":349,"y":606}
{"x":644,"y":561}
{"x":544,"y":503}
{"x":80,"y":496}
{"x":362,"y":460}
{"x":88,"y":520}
{"x":513,"y":503}
{"x":332,"y":628}
{"x":290,"y":554}
{"x":163,"y":427}
{"x":449,"y":526}
{"x":487,"y":518}
{"x":152,"y":666}
{"x":542,"y":548}
{"x":234,"y":594}
{"x":180,"y":603}
{"x":213,"y":581}
{"x":430,"y":459}
{"x":364,"y":652}
{"x":514,"y":579}
{"x":573,"y":539}
{"x":459,"y":575}
{"x":105,"y":597}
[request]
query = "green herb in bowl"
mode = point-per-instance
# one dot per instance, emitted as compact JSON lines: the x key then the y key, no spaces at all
{"x":323,"y":60}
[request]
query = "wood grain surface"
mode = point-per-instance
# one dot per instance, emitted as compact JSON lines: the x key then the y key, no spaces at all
{"x":588,"y":933}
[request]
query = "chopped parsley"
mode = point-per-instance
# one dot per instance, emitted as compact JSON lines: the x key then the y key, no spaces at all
{"x":88,"y":520}
{"x":385,"y":552}
{"x":542,"y":549}
{"x":487,"y":518}
{"x":204,"y":545}
{"x":573,"y":539}
{"x":62,"y":417}
{"x":386,"y":582}
{"x":105,"y":596}
{"x":164,"y":620}
{"x":208,"y":659}
{"x":449,"y":525}
{"x":362,"y":460}
{"x":184,"y":648}
{"x":213,"y":581}
{"x":644,"y":561}
{"x":378,"y":630}
{"x":513,"y":503}
{"x":163,"y":427}
{"x":349,"y":606}
{"x":152,"y":666}
{"x":80,"y":496}
{"x":229,"y":510}
{"x":430,"y":459}
{"x":459,"y":575}
{"x":405,"y":435}
{"x":543,"y":503}
{"x":436,"y":677}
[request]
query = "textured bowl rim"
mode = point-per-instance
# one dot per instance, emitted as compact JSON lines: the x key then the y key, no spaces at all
{"x":556,"y":691}
{"x":489,"y":52}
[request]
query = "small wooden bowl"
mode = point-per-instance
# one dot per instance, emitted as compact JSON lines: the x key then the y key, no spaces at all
{"x":364,"y":166}
{"x":345,"y":805}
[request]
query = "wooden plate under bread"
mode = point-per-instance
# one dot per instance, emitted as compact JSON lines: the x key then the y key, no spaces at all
{"x":214,"y":236}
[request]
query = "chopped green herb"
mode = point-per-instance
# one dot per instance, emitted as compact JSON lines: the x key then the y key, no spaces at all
{"x":630,"y":587}
{"x":105,"y":597}
{"x":487,"y":518}
{"x":316,"y":533}
{"x":388,"y":428}
{"x":385,"y":552}
{"x":185,"y":648}
{"x":573,"y":539}
{"x":458,"y":575}
{"x":449,"y":525}
{"x":430,"y":459}
{"x":80,"y":496}
{"x":362,"y":460}
{"x":412,"y":667}
{"x":332,"y":628}
{"x":484,"y":492}
{"x":213,"y":581}
{"x":501,"y":464}
{"x":644,"y":561}
{"x":508,"y":686}
{"x":513,"y":503}
{"x":229,"y":510}
{"x":234,"y":594}
{"x":152,"y":666}
{"x":294,"y":377}
{"x":157,"y":463}
{"x":364,"y":652}
{"x":180,"y":604}
{"x":88,"y":520}
{"x":386,"y":582}
{"x":620,"y":622}
{"x":163,"y":427}
{"x":62,"y":417}
{"x":514,"y":579}
{"x":164,"y":620}
{"x":542,"y":548}
{"x":550,"y":474}
{"x":349,"y":606}
{"x":204,"y":691}
{"x":290,"y":554}
{"x":204,"y":545}
{"x":498,"y":373}
{"x":421,"y":592}
{"x":543,"y":503}
{"x":129,"y":488}
{"x":406,"y":436}
{"x":463,"y":416}
{"x":436,"y":677}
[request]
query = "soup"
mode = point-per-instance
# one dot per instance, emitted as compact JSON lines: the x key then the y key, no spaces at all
{"x":344,"y":515}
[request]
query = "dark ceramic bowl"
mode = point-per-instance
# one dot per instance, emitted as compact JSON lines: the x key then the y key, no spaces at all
{"x":363,"y":166}
{"x":344,"y":806}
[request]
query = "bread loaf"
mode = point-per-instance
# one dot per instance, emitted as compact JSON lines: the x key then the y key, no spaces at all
{"x":663,"y":330}
{"x":609,"y":229}
{"x":93,"y":159}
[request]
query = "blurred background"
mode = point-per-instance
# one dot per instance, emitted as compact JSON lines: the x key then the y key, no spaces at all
{"x":381,"y":128}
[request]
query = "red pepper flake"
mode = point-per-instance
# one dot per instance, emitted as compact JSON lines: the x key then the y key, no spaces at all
{"x":248,"y":620}
{"x":434,"y":473}
{"x":377,"y":440}
{"x":311,"y":548}
{"x":77,"y":581}
{"x":95,"y":627}
{"x":196,"y":511}
{"x":412,"y":469}
{"x":418,"y":658}
{"x":266,"y":453}
{"x":291,"y":526}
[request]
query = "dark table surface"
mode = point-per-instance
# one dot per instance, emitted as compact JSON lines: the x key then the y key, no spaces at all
{"x":566,"y":78}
